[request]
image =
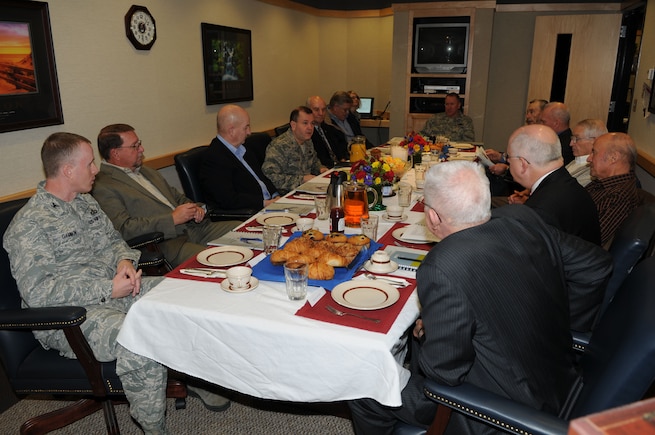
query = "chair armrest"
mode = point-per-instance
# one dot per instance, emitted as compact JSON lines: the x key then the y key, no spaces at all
{"x":492,"y":409}
{"x":146,"y":239}
{"x":237,"y":214}
{"x":42,"y":318}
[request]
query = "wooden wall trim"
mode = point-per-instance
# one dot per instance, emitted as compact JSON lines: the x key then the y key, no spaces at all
{"x":444,"y":5}
{"x":646,"y":161}
{"x":560,"y":7}
{"x":372,"y":13}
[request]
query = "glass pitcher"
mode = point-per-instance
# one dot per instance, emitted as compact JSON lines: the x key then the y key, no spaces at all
{"x":357,"y":149}
{"x":356,"y":202}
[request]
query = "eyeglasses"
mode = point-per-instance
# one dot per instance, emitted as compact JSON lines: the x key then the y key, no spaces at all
{"x":134,"y":146}
{"x":577,"y":138}
{"x":517,"y":157}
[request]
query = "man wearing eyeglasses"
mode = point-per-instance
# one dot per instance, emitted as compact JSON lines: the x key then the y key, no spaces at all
{"x":509,"y":334}
{"x":341,"y":117}
{"x":535,"y":157}
{"x":582,"y":140}
{"x":139,"y":200}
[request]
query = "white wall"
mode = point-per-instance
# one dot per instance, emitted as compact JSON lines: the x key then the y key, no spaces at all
{"x":104,"y":80}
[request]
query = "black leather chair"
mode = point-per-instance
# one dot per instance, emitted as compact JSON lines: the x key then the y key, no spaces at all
{"x":31,"y":369}
{"x":256,"y":144}
{"x":618,"y":367}
{"x":630,"y":245}
{"x":152,"y":260}
{"x":187,"y":165}
{"x":281,"y":129}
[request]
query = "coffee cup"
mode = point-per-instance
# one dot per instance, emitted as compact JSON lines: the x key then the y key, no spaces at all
{"x":239,"y":276}
{"x":304,"y":224}
{"x":380,"y":258}
{"x":394,"y":211}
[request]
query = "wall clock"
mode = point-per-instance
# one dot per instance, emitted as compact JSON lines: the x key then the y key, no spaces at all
{"x":140,"y":27}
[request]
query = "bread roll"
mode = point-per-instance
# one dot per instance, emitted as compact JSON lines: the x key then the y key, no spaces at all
{"x":336,"y":238}
{"x":333,"y":259}
{"x":313,"y":234}
{"x":359,"y":240}
{"x":320,"y":271}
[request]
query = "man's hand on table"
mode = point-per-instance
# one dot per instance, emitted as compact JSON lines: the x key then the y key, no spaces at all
{"x":308,"y":177}
{"x":498,"y":168}
{"x":519,"y":197}
{"x":268,"y":202}
{"x":127,"y":280}
{"x":418,"y":329}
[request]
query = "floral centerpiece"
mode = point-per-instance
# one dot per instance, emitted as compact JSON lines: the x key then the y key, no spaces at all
{"x":416,"y":145}
{"x":378,"y":174}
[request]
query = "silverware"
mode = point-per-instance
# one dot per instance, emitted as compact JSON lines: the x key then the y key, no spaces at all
{"x":343,"y":313}
{"x":249,"y":240}
{"x":209,"y":272}
{"x":256,"y":229}
{"x":393,"y":282}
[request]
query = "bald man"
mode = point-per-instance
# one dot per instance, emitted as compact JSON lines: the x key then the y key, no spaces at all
{"x":230,"y":177}
{"x":557,"y":116}
{"x":613,"y":187}
{"x":535,"y":161}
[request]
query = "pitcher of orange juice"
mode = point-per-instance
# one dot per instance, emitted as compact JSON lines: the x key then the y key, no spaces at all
{"x":357,"y":149}
{"x":355,"y":203}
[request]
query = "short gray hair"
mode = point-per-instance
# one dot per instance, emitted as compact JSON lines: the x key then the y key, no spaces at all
{"x":536,"y":149}
{"x":593,"y":127}
{"x":459,"y":192}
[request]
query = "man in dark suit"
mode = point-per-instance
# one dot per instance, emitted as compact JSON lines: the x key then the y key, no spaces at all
{"x":486,"y":318}
{"x":557,"y":116}
{"x":536,"y":163}
{"x":230,"y":176}
{"x":342,"y":118}
{"x":329,"y":143}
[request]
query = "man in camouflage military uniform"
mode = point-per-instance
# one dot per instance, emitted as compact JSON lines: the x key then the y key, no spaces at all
{"x":290,"y":158}
{"x":65,"y":251}
{"x":452,"y":123}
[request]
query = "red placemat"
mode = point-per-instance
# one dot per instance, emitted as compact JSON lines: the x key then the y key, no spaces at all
{"x":386,"y":315}
{"x":389,"y":239}
{"x":419,"y":207}
{"x":192,"y":263}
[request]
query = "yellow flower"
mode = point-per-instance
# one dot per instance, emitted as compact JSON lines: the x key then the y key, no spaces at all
{"x":386,"y":167}
{"x":417,"y":148}
{"x":375,"y":164}
{"x":378,"y":180}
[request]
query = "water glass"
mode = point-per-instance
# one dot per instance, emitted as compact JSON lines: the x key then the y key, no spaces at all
{"x":322,"y":212}
{"x":404,"y":194}
{"x":271,"y":236}
{"x":370,"y":226}
{"x":419,"y":172}
{"x":295,"y":276}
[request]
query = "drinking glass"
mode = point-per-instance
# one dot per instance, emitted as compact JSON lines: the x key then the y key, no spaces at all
{"x":322,"y":212}
{"x":271,"y":236}
{"x":295,"y":276}
{"x":370,"y":226}
{"x":404,"y":194}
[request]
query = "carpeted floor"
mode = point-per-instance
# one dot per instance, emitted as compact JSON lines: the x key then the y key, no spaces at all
{"x":245,"y":416}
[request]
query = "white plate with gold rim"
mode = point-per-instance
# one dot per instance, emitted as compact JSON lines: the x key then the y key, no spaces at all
{"x":282,"y":218}
{"x":365,"y":295}
{"x":222,"y":256}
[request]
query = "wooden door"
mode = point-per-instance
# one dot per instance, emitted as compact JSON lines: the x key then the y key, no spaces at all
{"x":592,"y":59}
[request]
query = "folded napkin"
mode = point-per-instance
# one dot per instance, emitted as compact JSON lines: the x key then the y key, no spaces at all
{"x":269,"y":272}
{"x":417,"y":233}
{"x":387,"y":315}
{"x":389,"y":239}
{"x":191,"y":263}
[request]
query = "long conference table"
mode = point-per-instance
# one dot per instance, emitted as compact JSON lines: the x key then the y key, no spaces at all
{"x":259,"y":344}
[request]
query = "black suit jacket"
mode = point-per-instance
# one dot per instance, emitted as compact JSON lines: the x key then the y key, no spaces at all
{"x":227,"y":184}
{"x":565,"y":141}
{"x":495,"y":307}
{"x":337,"y":141}
{"x":562,"y":202}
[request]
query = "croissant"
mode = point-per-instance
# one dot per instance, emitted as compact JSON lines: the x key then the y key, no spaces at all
{"x":280,"y":257}
{"x":320,"y":271}
{"x":333,"y":259}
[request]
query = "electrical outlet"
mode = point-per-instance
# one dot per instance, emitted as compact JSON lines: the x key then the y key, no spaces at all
{"x":651,"y":73}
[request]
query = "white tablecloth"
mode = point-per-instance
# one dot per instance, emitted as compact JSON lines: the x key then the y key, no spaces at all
{"x":253,"y":343}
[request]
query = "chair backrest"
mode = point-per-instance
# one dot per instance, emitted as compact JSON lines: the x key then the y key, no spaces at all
{"x":187,"y":165}
{"x":14,"y":345}
{"x":618,"y":365}
{"x":629,"y":246}
{"x":256,"y":145}
{"x":281,"y":129}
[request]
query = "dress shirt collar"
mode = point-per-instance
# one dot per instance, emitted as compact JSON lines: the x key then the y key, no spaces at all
{"x":237,"y":151}
{"x":581,"y":160}
{"x":610,"y":182}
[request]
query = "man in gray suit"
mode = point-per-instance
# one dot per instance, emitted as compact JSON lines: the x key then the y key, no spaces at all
{"x":139,"y":200}
{"x":495,"y":303}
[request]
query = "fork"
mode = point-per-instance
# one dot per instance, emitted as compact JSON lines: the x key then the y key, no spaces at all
{"x":343,"y":313}
{"x":393,"y":282}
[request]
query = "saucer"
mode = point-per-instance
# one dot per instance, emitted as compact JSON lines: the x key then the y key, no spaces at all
{"x":371,"y":267}
{"x":388,"y":218}
{"x":225,"y":285}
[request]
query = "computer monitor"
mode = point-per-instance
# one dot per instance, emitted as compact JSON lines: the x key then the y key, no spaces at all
{"x":365,"y":107}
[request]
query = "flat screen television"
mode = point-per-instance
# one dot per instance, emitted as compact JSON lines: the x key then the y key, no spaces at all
{"x":441,"y":47}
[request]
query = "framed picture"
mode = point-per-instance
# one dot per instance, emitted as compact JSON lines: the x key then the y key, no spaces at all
{"x":29,"y":92}
{"x":227,"y":58}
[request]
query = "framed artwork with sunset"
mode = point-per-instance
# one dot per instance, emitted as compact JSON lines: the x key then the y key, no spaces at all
{"x":29,"y":92}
